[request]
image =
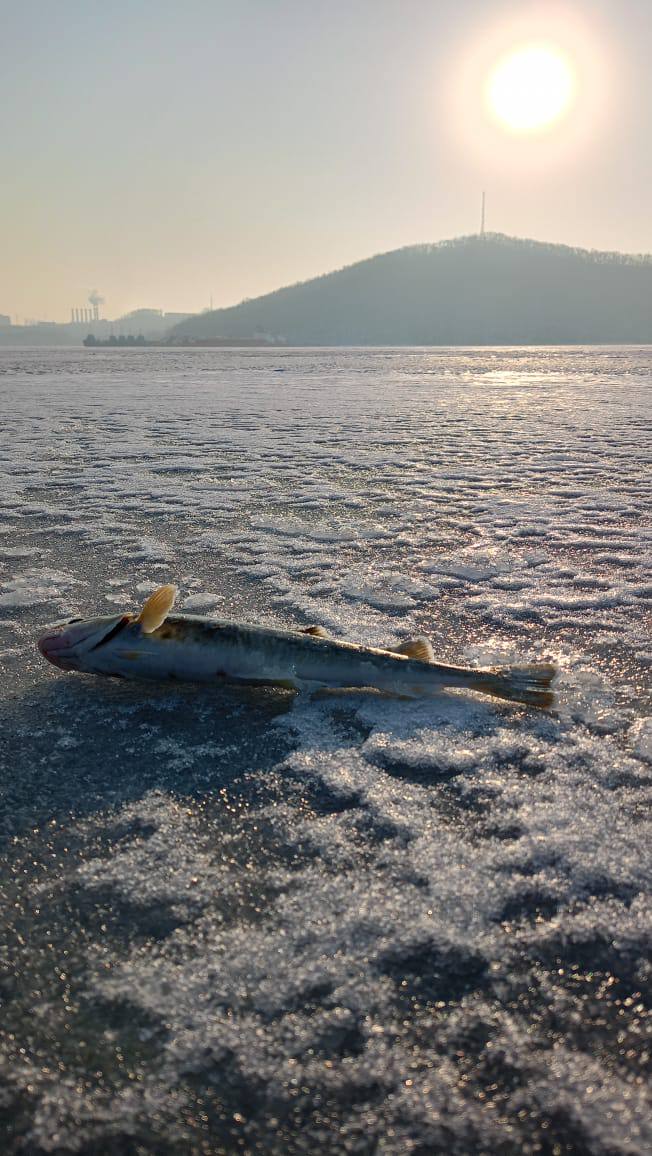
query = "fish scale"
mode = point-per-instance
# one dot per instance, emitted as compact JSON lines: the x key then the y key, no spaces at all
{"x":159,"y":645}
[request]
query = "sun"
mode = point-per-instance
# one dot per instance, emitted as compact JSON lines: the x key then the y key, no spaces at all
{"x":530,"y":89}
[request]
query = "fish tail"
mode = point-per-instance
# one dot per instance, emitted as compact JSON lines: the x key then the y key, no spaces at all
{"x":529,"y":684}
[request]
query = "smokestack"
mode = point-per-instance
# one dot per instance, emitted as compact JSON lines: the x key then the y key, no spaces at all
{"x":95,"y":300}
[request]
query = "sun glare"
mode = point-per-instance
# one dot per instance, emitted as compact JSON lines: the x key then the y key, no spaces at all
{"x":530,"y":88}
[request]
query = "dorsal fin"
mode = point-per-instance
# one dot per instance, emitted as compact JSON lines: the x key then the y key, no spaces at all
{"x":416,"y":648}
{"x":157,"y":608}
{"x":317,"y":631}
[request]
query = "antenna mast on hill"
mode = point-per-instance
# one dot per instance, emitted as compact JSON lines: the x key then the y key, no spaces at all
{"x":484,"y":195}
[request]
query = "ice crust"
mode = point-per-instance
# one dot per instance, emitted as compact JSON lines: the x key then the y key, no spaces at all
{"x":244,"y":921}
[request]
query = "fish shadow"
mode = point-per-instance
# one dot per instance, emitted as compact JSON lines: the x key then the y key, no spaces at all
{"x":74,"y":746}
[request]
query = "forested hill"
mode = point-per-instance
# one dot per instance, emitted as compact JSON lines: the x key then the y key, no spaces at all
{"x":470,"y":291}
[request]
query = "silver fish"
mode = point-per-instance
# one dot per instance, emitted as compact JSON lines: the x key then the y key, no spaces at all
{"x":158,"y":645}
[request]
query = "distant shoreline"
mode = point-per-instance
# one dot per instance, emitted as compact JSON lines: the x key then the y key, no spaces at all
{"x":91,"y":342}
{"x":439,"y":346}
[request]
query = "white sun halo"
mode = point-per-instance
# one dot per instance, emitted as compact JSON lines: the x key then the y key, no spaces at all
{"x":530,"y":88}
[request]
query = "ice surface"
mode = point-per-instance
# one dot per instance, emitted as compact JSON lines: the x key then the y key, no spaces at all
{"x":244,"y":921}
{"x":201,"y":603}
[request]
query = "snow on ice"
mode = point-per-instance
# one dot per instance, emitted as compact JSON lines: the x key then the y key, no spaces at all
{"x":245,"y":921}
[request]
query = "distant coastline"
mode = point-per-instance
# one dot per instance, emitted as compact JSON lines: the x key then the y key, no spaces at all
{"x":481,"y":290}
{"x":140,"y":342}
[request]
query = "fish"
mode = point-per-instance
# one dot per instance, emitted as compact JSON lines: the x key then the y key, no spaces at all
{"x":156,"y":644}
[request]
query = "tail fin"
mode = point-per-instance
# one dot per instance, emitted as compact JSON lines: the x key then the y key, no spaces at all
{"x":527,"y":684}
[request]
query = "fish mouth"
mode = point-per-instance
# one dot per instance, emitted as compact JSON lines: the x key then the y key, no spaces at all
{"x":54,"y":649}
{"x":65,"y":644}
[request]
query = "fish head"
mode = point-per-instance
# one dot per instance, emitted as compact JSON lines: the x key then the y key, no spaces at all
{"x":94,"y":644}
{"x":70,"y":645}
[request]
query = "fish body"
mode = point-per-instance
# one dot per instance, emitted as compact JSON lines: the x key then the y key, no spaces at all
{"x":163,"y":646}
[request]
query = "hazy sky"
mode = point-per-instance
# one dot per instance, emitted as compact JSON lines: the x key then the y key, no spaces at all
{"x":163,"y":151}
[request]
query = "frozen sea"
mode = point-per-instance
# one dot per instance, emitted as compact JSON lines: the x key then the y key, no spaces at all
{"x":244,"y":921}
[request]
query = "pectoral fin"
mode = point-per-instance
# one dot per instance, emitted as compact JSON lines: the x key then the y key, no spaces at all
{"x":416,"y":648}
{"x":317,"y":631}
{"x":157,"y":608}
